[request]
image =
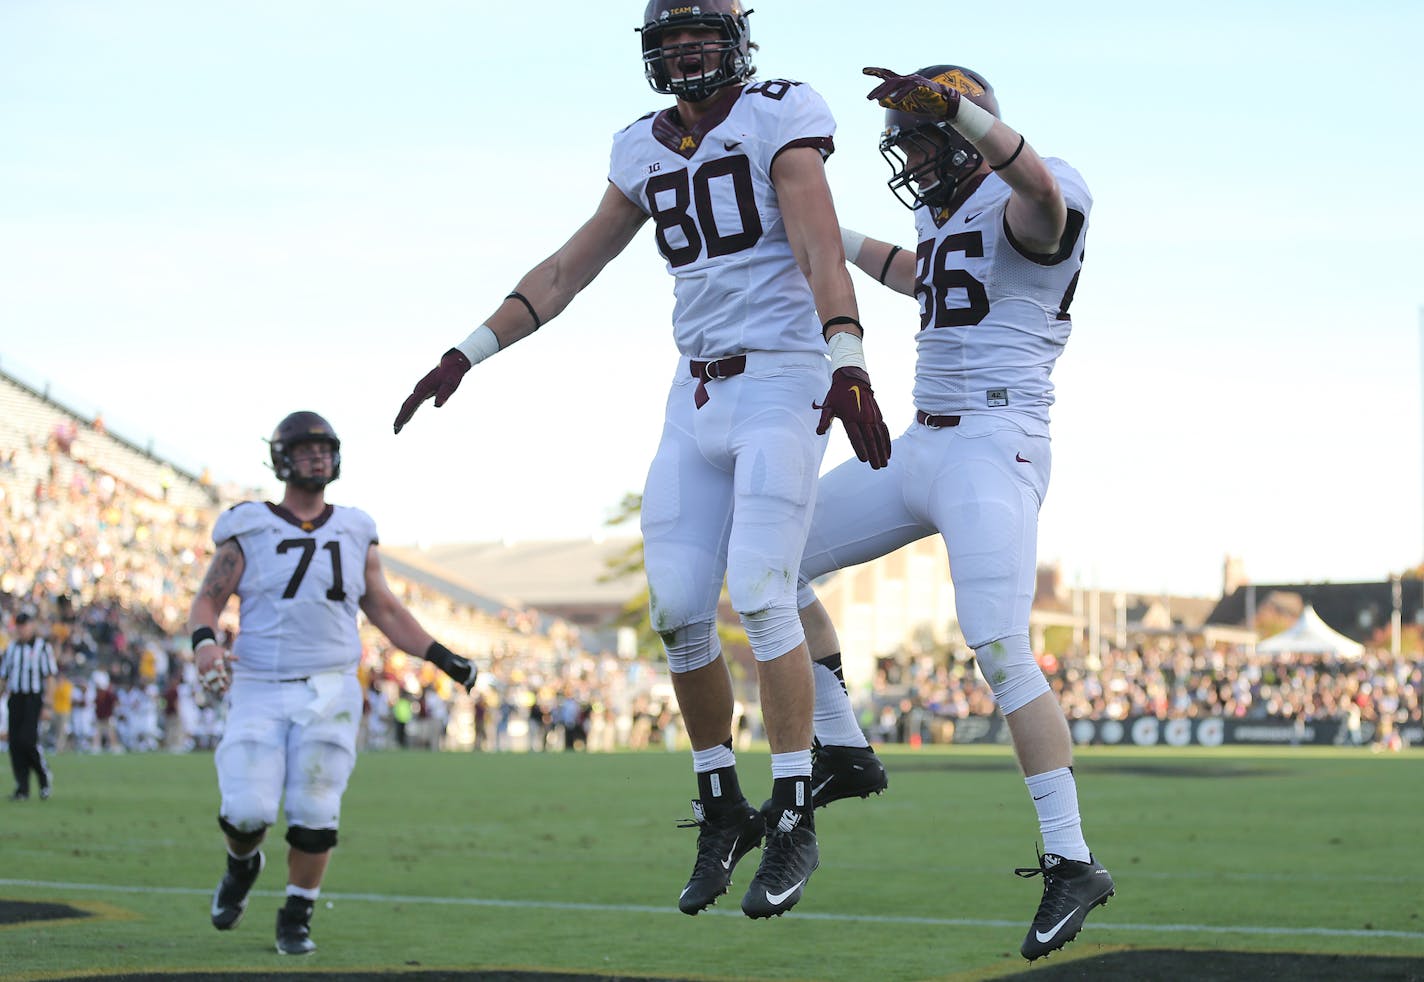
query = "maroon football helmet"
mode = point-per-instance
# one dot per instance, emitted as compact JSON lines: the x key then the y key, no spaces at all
{"x":734,"y":48}
{"x":948,"y":159}
{"x":298,"y":428}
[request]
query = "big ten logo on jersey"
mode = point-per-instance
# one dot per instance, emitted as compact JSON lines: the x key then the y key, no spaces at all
{"x":304,"y":549}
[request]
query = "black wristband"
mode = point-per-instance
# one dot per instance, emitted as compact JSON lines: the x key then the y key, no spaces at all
{"x":202,"y":634}
{"x":839,"y":320}
{"x":516,"y":295}
{"x":885,"y":270}
{"x":438,"y":655}
{"x":1012,"y":157}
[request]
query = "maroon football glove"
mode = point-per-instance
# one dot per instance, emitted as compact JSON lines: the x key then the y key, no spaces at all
{"x":440,"y":382}
{"x":851,"y":400}
{"x":914,"y":94}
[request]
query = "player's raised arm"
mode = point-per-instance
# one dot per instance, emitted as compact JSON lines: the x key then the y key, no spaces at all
{"x":539,"y":297}
{"x":1036,"y":214}
{"x":384,"y":609}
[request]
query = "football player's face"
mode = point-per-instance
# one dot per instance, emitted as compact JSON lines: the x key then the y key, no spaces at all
{"x":691,"y":52}
{"x":312,"y":459}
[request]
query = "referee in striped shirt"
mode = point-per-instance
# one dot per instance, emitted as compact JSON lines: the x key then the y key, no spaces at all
{"x":27,"y":672}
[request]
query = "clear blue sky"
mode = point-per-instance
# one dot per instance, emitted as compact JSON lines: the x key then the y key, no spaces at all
{"x":213,"y":213}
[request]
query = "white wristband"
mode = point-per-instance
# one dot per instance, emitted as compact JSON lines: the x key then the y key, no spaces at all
{"x":972,"y":121}
{"x":852,"y":240}
{"x":846,"y":351}
{"x":479,"y":345}
{"x":203,"y":644}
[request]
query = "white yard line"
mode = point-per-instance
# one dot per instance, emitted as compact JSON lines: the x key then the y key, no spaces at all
{"x":1097,"y":925}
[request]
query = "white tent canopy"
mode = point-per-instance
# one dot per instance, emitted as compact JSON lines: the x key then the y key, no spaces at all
{"x":1311,"y":636}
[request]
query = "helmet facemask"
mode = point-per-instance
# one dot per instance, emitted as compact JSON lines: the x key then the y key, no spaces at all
{"x":946,"y":161}
{"x":729,"y":56}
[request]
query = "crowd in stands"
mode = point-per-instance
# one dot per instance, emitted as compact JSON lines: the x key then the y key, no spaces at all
{"x":1376,"y":693}
{"x":112,"y":566}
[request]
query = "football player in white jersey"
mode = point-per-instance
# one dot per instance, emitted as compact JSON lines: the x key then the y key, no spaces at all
{"x":302,"y":570}
{"x":1000,"y":244}
{"x":733,"y":179}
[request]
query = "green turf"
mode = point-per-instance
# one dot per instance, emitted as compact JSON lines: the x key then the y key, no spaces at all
{"x":573,"y":862}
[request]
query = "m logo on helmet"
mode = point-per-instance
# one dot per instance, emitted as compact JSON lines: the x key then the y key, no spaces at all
{"x":957,"y":80}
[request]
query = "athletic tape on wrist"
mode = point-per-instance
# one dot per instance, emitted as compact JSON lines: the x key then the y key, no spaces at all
{"x":972,"y":121}
{"x":479,"y":345}
{"x":846,"y":351}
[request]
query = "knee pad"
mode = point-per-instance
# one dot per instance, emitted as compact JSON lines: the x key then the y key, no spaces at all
{"x":773,"y":632}
{"x":314,"y":841}
{"x":246,"y":838}
{"x":1014,"y":677}
{"x":692,"y":646}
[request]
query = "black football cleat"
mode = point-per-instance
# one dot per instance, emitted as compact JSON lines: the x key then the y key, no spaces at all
{"x":845,"y":772}
{"x":1070,"y":890}
{"x":230,"y":897}
{"x":841,"y":772}
{"x":294,"y":927}
{"x":719,"y":847}
{"x":788,"y":858}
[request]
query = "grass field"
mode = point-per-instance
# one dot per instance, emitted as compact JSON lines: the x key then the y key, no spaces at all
{"x":571,"y":863}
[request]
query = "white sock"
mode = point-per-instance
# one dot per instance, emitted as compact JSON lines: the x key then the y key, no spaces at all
{"x":295,"y":891}
{"x":797,"y":763}
{"x":1055,"y":797}
{"x":246,"y":856}
{"x":713,"y":758}
{"x":836,"y":725}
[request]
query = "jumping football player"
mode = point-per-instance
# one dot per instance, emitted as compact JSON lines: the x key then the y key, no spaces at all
{"x":733,"y":178}
{"x":1000,"y":244}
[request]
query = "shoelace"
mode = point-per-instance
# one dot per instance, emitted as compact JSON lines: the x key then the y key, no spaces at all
{"x":1054,"y":902}
{"x":709,"y":850}
{"x":777,"y":853}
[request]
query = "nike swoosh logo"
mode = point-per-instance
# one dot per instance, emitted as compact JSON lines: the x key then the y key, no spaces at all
{"x":1040,"y":797}
{"x":777,"y":899}
{"x":1056,"y":928}
{"x":856,"y":390}
{"x":970,"y":218}
{"x":1020,"y":458}
{"x":727,"y":863}
{"x":731,"y":144}
{"x":817,"y":789}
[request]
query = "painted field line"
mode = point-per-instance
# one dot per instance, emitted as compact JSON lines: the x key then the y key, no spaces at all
{"x":1096,"y":927}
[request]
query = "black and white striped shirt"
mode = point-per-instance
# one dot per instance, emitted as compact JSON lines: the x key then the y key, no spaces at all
{"x":26,"y":664}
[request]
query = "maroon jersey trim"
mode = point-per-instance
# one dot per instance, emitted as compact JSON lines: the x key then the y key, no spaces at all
{"x":1071,"y":230}
{"x":303,"y":524}
{"x":824,"y":144}
{"x":669,"y":131}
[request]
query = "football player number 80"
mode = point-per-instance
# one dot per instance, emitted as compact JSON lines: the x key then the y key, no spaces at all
{"x":671,"y":194}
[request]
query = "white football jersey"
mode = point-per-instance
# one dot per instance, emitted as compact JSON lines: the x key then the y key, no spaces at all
{"x":301,"y":588}
{"x":992,"y":319}
{"x":716,"y":218}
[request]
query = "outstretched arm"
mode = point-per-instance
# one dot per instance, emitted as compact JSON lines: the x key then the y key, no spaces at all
{"x":539,"y":297}
{"x":392,"y":619}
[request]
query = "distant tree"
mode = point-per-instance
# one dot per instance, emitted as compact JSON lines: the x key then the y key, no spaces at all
{"x":634,"y":613}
